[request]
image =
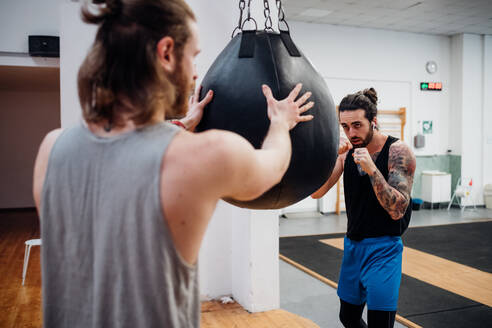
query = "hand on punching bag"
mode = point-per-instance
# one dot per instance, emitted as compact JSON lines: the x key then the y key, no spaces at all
{"x":277,"y":110}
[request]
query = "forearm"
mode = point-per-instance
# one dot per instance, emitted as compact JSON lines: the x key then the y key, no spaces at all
{"x":332,"y":180}
{"x":393,"y":201}
{"x":276,"y":150}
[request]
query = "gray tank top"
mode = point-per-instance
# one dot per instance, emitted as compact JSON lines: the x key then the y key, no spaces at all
{"x":108,"y":259}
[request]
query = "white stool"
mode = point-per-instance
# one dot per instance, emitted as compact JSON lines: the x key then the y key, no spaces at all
{"x":29,"y":243}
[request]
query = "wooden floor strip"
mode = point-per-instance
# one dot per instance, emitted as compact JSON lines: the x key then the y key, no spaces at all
{"x":400,"y":319}
{"x":309,"y":272}
{"x":216,"y":314}
{"x":457,"y":278}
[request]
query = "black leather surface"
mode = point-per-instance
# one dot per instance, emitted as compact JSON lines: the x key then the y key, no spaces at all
{"x":239,"y":105}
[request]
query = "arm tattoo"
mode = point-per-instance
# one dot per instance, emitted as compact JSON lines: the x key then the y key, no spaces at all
{"x":394,"y":194}
{"x":375,"y":156}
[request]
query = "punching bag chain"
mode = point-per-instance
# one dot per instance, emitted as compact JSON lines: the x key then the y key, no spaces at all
{"x":249,"y":18}
{"x":242,"y":5}
{"x":268,"y":19}
{"x":281,"y":16}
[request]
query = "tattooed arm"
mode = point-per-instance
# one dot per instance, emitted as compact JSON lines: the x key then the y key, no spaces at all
{"x":343,"y":148}
{"x":394,"y":194}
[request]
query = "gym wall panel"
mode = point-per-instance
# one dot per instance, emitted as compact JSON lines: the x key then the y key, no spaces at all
{"x":487,"y":110}
{"x":347,"y":55}
{"x":21,"y":18}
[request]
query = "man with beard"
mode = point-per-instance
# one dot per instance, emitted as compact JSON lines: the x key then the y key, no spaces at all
{"x":125,"y":197}
{"x":378,"y":177}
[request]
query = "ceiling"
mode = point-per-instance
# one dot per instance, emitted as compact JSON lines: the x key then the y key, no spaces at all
{"x":443,"y":17}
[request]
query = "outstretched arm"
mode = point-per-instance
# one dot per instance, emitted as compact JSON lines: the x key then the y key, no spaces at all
{"x":394,"y":194}
{"x":343,"y":148}
{"x":260,"y":169}
{"x":204,"y":167}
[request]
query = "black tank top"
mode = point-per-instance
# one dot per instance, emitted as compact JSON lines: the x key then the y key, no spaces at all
{"x":366,"y":217}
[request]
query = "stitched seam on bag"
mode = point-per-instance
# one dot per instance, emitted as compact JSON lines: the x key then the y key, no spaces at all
{"x":274,"y":64}
{"x":278,"y":93}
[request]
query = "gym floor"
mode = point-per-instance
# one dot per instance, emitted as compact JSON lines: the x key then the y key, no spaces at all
{"x":310,"y":298}
{"x":300,"y":294}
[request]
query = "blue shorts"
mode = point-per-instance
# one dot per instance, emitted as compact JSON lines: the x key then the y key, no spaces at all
{"x":371,"y":272}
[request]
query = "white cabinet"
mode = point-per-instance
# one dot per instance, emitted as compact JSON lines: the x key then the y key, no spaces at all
{"x":436,"y":187}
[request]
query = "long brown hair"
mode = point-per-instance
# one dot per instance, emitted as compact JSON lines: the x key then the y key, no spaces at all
{"x":120,"y":76}
{"x":366,"y":99}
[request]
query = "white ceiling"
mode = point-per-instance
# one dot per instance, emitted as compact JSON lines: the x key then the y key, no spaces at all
{"x":444,"y":17}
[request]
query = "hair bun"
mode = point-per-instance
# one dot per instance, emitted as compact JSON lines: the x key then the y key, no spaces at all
{"x":113,"y":7}
{"x":371,"y":94}
{"x":105,"y":9}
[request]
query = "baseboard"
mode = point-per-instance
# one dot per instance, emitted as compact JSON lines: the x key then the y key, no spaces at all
{"x":467,"y":206}
{"x":17,"y":209}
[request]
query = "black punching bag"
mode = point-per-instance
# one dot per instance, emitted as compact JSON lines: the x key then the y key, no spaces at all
{"x":253,"y":58}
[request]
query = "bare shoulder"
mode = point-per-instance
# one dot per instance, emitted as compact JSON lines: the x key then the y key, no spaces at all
{"x":207,"y":158}
{"x":50,"y":139}
{"x":46,"y":146}
{"x":401,"y":158}
{"x":41,"y":163}
{"x":212,"y":147}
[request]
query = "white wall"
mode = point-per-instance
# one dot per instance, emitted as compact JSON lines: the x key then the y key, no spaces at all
{"x":455,"y":129}
{"x":473,"y":88}
{"x":472,"y":108}
{"x":216,"y":254}
{"x":352,"y":58}
{"x":75,"y":40}
{"x":255,"y":251}
{"x":21,"y":18}
{"x":387,"y":59}
{"x":487,"y":109}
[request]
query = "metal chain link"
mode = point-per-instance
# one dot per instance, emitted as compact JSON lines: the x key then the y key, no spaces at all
{"x":249,"y":19}
{"x":281,"y":16}
{"x":242,"y":5}
{"x":268,"y":18}
{"x":249,"y":10}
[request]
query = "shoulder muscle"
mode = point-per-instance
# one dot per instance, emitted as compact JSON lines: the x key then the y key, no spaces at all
{"x":401,"y":158}
{"x":41,"y":164}
{"x":401,"y":166}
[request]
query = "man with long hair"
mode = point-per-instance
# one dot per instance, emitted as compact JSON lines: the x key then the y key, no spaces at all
{"x":377,"y":177}
{"x":125,"y":197}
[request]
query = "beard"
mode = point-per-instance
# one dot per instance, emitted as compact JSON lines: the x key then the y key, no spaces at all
{"x":182,"y":88}
{"x":366,"y":141}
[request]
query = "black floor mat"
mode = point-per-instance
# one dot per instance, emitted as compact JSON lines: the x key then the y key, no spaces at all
{"x":465,"y":243}
{"x":422,"y":303}
{"x":473,"y":317}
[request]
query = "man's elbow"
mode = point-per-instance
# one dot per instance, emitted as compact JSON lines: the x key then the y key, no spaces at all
{"x":400,"y":211}
{"x":265,"y":185}
{"x":257,"y":187}
{"x":397,"y":216}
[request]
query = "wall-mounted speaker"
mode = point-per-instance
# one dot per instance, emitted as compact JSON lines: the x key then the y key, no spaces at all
{"x":44,"y":46}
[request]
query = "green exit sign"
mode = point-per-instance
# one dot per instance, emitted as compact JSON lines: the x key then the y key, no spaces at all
{"x":431,"y":86}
